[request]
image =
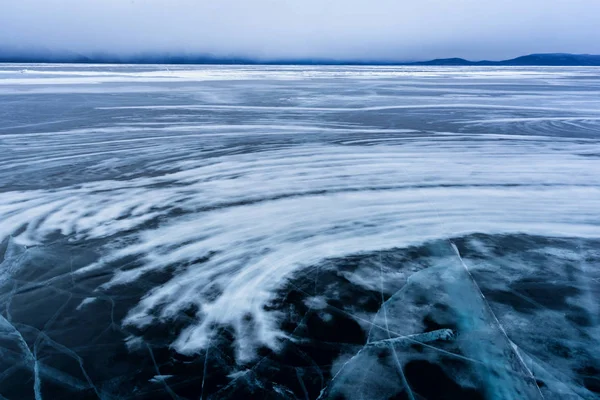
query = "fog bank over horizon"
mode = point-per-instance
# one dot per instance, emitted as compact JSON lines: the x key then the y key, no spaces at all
{"x":269,"y":29}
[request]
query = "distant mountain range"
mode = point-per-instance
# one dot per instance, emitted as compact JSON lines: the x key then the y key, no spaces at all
{"x":551,"y":59}
{"x":548,"y":59}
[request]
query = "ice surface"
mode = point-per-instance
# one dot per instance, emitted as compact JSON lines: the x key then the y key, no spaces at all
{"x":285,"y":232}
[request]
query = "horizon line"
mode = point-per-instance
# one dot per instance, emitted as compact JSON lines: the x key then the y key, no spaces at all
{"x":534,"y":59}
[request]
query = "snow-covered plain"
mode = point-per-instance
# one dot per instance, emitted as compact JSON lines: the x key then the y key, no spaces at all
{"x":299,"y":232}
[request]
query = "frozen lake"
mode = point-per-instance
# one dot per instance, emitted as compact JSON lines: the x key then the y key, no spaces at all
{"x":242,"y":232}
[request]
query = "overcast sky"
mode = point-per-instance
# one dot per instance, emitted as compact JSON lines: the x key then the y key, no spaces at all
{"x":278,"y":29}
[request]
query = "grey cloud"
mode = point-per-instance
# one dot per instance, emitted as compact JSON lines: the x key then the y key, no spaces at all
{"x":279,"y":29}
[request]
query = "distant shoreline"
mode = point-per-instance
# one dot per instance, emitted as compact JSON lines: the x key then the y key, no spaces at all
{"x":532,"y":60}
